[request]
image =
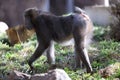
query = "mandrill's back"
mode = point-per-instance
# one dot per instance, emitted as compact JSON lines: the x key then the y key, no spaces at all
{"x":60,"y":27}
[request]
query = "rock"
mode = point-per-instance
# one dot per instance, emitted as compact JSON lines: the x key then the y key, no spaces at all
{"x":55,"y":74}
{"x":106,"y":72}
{"x":109,"y":70}
{"x":16,"y":75}
{"x":3,"y":27}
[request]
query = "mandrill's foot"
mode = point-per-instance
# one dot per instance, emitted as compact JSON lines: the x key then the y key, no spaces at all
{"x":89,"y":70}
{"x":53,"y":66}
{"x":31,"y":70}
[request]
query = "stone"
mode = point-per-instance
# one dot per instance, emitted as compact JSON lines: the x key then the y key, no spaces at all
{"x":55,"y":74}
{"x":16,"y":75}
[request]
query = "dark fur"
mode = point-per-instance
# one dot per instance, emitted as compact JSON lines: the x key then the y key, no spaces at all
{"x":49,"y":28}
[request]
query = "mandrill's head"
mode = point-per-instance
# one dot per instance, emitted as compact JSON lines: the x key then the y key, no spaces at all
{"x":29,"y":16}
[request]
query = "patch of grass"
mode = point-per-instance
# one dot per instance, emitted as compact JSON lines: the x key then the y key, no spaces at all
{"x":108,"y":53}
{"x":117,"y":73}
{"x":101,"y":33}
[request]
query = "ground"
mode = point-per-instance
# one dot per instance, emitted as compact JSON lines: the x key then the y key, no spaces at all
{"x":103,"y":53}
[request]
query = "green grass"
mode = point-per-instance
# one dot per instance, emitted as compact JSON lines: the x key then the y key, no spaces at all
{"x":102,"y":53}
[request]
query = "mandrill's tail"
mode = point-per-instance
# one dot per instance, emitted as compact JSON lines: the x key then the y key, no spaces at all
{"x":79,"y":10}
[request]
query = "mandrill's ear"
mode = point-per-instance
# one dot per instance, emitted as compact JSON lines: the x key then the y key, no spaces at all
{"x":30,"y":15}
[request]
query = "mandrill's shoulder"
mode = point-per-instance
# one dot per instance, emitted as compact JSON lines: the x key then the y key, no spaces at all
{"x":47,"y":15}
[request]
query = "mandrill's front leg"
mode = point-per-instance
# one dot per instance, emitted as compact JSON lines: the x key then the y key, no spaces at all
{"x":38,"y":52}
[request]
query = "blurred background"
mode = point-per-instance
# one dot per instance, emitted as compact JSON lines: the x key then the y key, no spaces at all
{"x":11,"y":11}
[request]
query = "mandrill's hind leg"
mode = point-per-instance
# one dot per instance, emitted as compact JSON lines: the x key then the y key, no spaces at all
{"x":78,"y":61}
{"x":50,"y":53}
{"x":81,"y":52}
